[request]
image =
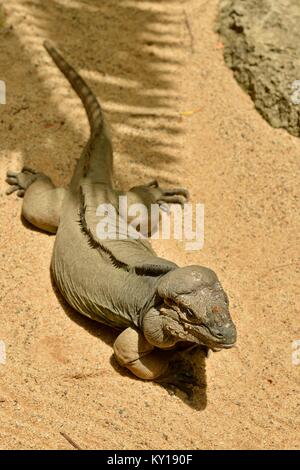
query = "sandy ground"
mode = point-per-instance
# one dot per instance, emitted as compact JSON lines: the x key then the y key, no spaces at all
{"x":147,"y":66}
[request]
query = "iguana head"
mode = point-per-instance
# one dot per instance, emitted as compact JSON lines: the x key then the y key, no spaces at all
{"x":196,"y":308}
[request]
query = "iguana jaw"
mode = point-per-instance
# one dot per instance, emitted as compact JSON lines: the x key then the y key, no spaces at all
{"x":177,"y":325}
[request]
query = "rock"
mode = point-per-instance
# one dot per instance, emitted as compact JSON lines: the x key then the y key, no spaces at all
{"x":262,"y":47}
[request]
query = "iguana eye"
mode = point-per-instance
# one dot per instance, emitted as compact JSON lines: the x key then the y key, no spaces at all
{"x":189,"y":313}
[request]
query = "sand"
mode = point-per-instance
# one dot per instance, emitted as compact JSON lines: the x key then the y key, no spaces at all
{"x":148,"y":62}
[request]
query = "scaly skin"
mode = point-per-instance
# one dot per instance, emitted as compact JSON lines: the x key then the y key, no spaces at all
{"x":123,"y":283}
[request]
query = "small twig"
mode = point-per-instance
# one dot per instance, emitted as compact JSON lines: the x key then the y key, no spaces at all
{"x":190,"y":113}
{"x":83,"y":376}
{"x":73,"y":443}
{"x":21,"y":108}
{"x":187,"y":23}
{"x":281,"y":266}
{"x":152,"y":115}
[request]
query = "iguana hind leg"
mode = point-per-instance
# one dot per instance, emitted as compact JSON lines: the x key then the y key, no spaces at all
{"x":152,"y":193}
{"x":42,"y":200}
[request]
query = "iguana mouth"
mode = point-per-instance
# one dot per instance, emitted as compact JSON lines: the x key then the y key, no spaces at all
{"x":223,"y":346}
{"x":190,"y":331}
{"x":204,"y":336}
{"x":202,"y":333}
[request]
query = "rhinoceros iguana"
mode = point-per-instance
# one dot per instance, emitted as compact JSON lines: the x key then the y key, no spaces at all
{"x":121,"y":282}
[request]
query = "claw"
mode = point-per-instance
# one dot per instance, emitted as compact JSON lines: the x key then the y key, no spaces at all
{"x":181,"y":375}
{"x":153,"y":184}
{"x":164,"y":207}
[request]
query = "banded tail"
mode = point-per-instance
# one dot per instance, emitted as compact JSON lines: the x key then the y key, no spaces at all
{"x":96,"y":160}
{"x":89,"y":100}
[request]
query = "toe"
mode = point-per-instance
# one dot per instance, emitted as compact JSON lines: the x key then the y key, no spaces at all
{"x":153,"y":184}
{"x":28,"y":169}
{"x":11,"y":180}
{"x":177,"y":192}
{"x":164,"y":207}
{"x":172,"y":200}
{"x":11,"y":190}
{"x":11,"y":173}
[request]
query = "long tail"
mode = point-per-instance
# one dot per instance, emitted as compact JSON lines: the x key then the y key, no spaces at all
{"x":89,"y":100}
{"x":96,"y":159}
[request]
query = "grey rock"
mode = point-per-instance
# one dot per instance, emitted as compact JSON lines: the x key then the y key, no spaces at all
{"x":262,"y":47}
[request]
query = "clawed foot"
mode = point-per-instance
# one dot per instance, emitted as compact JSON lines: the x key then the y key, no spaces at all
{"x":164,"y":197}
{"x":20,"y":181}
{"x":180,"y":374}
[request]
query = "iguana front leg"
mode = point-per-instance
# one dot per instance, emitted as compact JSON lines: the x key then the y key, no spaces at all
{"x":42,"y":200}
{"x":145,"y":361}
{"x":134,"y":352}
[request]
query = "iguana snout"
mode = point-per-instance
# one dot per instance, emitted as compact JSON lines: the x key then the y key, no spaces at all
{"x":196,"y":308}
